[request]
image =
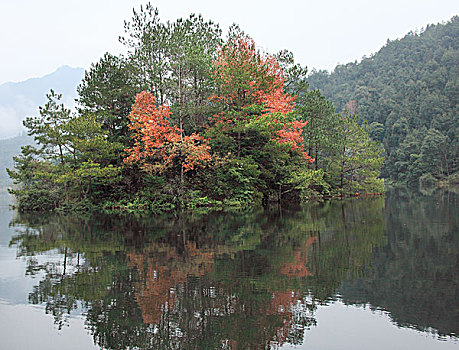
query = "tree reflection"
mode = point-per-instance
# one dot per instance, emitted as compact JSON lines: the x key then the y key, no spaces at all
{"x":235,"y":281}
{"x":416,"y":275}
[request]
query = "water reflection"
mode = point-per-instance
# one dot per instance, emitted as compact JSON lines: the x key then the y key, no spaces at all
{"x":416,"y":275}
{"x":245,"y":281}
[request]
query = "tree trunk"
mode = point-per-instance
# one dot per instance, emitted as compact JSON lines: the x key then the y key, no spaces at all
{"x":239,"y":143}
{"x":316,"y":162}
{"x":342,"y":171}
{"x":181,"y":126}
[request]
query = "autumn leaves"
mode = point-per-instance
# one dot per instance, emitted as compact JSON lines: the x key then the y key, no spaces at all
{"x":156,"y":143}
{"x":248,"y":92}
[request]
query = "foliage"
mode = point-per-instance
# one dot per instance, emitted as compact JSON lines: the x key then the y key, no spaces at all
{"x":72,"y":164}
{"x":157,"y":143}
{"x":353,"y":166}
{"x":172,"y":61}
{"x":107,"y":91}
{"x":8,"y":149}
{"x":246,"y":78}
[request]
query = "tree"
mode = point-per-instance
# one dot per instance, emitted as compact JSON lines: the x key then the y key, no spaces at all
{"x":257,"y":122}
{"x":158,"y":145}
{"x":173,"y":61}
{"x":47,"y":128}
{"x":192,"y":47}
{"x":404,"y":90}
{"x":355,"y":163}
{"x":35,"y":169}
{"x":319,"y":112}
{"x":75,"y":159}
{"x":147,"y":37}
{"x":246,"y":78}
{"x":226,"y":107}
{"x":107,"y":91}
{"x":34,"y":187}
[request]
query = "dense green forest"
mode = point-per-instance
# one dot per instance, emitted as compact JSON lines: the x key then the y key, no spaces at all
{"x":188,"y":119}
{"x":408,"y":92}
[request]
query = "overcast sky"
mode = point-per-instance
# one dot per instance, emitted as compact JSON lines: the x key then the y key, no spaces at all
{"x":38,"y":36}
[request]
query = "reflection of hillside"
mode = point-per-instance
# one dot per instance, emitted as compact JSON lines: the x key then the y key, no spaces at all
{"x":344,"y":244}
{"x":416,"y":276}
{"x":240,"y":281}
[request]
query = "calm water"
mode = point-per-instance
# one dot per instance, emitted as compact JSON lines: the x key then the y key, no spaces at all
{"x":360,"y":274}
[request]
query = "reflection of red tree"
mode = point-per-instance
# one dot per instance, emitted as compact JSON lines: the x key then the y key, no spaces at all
{"x":299,"y":267}
{"x":162,"y":269}
{"x":288,"y":307}
{"x":274,"y":318}
{"x":283,"y":302}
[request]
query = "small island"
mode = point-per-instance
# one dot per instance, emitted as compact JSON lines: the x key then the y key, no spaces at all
{"x":188,"y":120}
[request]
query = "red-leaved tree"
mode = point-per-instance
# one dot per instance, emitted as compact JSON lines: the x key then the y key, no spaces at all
{"x":247,"y":77}
{"x":157,"y":144}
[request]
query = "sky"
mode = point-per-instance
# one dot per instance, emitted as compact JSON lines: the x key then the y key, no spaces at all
{"x":37,"y":37}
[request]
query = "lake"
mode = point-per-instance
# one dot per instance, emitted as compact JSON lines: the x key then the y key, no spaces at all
{"x":376,"y":273}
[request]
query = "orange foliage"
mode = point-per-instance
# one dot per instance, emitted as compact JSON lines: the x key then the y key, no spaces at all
{"x":162,"y":273}
{"x":157,"y":143}
{"x":247,"y":77}
{"x":292,"y":135}
{"x":299,"y":267}
{"x":351,"y":106}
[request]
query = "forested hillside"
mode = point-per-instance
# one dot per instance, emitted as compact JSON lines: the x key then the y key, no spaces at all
{"x":408,"y":93}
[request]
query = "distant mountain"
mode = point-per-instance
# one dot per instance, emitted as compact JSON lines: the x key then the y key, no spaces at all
{"x":19,"y":100}
{"x":409,"y":93}
{"x":8,"y":149}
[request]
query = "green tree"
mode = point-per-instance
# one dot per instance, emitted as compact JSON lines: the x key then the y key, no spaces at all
{"x":75,"y":159}
{"x":107,"y":91}
{"x":354,"y":165}
{"x":147,"y":39}
{"x":192,"y":47}
{"x":48,"y":128}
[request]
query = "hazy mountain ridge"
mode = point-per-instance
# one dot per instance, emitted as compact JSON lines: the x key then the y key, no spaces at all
{"x":8,"y":149}
{"x":22,"y":99}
